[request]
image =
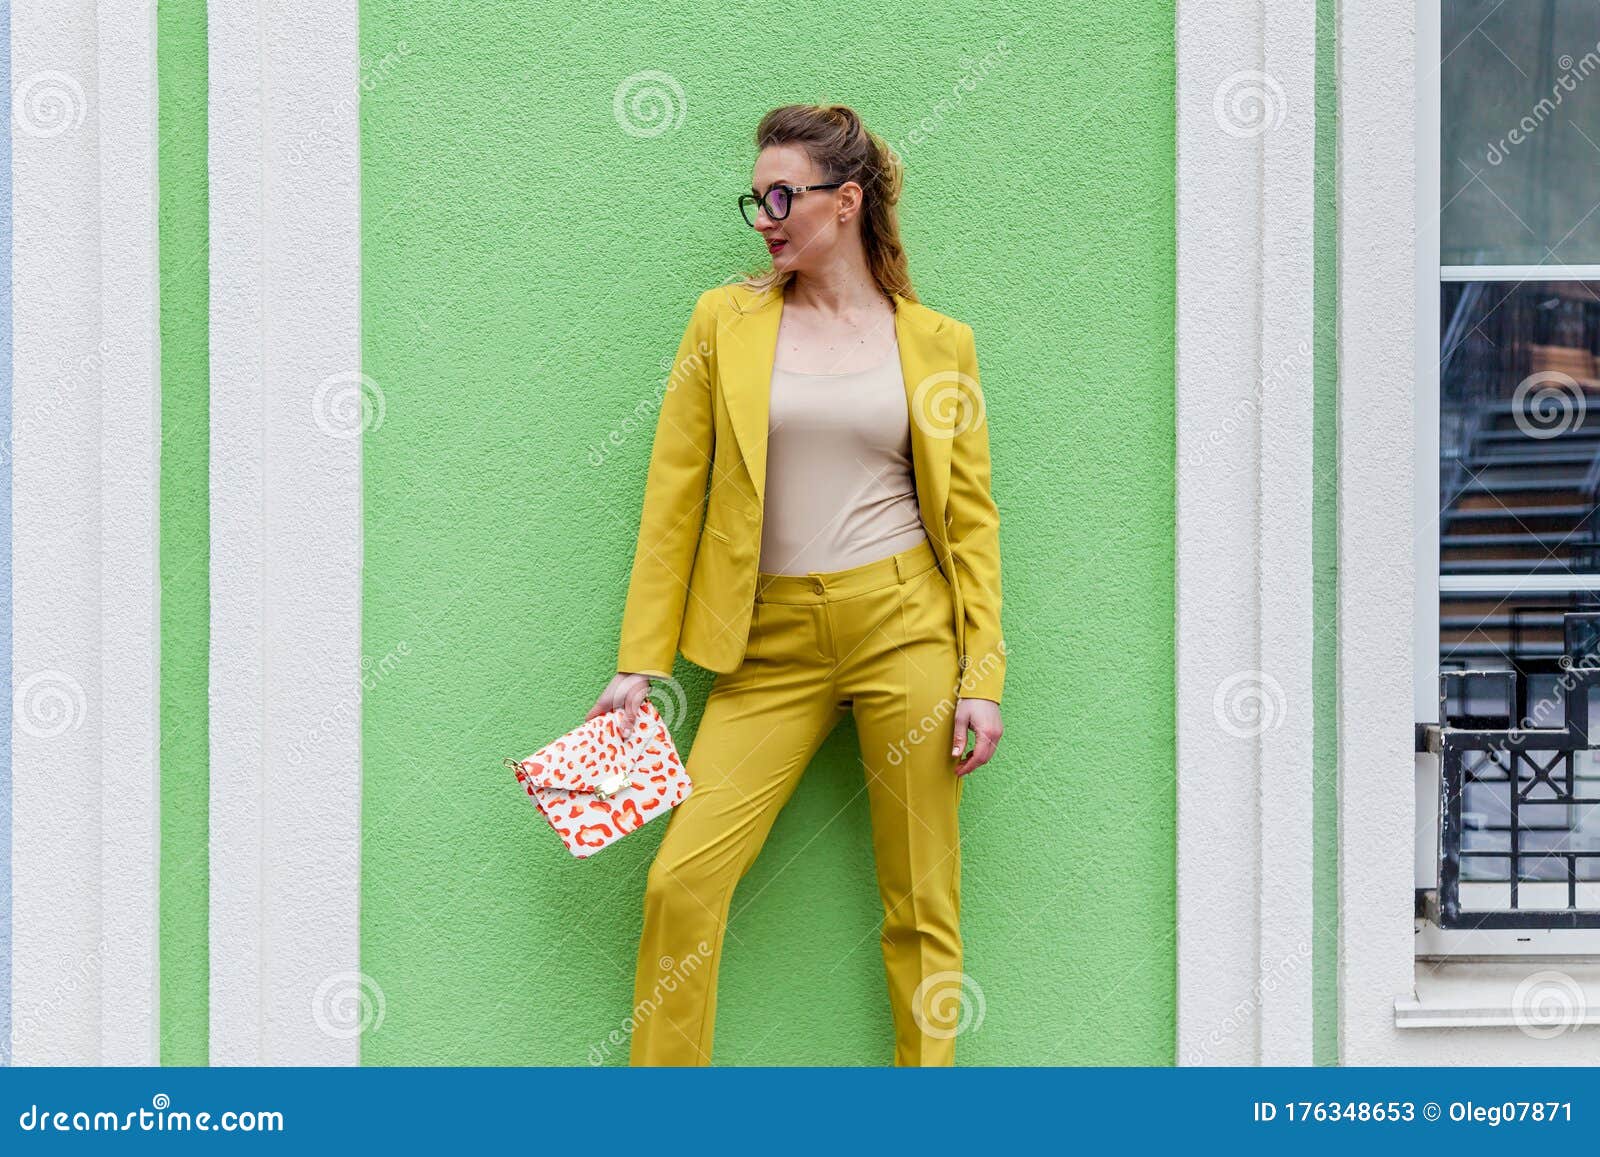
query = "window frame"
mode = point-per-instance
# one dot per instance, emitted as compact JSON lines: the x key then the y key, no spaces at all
{"x":1433,"y":942}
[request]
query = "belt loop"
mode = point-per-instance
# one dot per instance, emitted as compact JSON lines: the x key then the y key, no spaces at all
{"x":900,"y":567}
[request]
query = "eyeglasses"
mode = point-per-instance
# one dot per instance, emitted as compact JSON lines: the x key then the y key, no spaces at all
{"x":776,"y":201}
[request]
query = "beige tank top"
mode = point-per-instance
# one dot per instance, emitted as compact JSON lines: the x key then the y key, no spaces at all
{"x":840,"y":490}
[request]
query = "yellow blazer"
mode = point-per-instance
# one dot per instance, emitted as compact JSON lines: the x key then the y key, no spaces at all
{"x":695,"y":564}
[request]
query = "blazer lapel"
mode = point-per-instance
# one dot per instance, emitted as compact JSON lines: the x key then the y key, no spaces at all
{"x":747,"y":346}
{"x":928,"y":365}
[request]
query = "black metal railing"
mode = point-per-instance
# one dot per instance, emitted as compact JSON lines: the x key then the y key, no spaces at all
{"x":1519,"y":798}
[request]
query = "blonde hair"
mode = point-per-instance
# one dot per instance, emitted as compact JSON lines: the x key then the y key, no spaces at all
{"x":846,"y":150}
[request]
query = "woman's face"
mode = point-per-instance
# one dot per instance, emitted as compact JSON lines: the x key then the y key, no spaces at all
{"x":806,"y":237}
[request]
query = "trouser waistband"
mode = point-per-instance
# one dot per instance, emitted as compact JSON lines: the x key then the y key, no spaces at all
{"x":819,"y":586}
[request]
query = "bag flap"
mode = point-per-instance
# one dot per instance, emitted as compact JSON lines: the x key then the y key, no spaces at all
{"x":592,"y":757}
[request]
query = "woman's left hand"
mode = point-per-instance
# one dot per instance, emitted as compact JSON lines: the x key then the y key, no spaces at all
{"x":982,"y":718}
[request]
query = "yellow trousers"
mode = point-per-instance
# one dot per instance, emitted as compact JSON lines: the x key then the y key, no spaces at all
{"x":875,"y":639}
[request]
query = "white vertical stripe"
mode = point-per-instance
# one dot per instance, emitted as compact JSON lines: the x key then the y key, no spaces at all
{"x":1218,"y":243}
{"x":58,"y":953}
{"x":129,"y":449}
{"x":84,"y":835}
{"x":1246,"y":134}
{"x":1284,"y":595}
{"x":285,"y":532}
{"x":238,"y":390}
{"x":1425,"y":499}
{"x":1377,"y":328}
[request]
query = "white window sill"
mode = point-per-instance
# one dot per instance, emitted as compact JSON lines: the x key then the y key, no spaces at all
{"x":1541,"y":997}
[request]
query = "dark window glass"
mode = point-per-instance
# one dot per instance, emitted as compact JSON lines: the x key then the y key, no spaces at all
{"x":1519,"y":159}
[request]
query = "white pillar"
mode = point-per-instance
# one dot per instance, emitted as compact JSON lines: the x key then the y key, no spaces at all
{"x":1246,"y":163}
{"x":286,"y":403}
{"x":1377,"y":443}
{"x":84,"y":448}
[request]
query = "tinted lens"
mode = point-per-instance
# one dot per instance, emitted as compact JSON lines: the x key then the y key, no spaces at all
{"x":778,"y":202}
{"x":747,"y":206}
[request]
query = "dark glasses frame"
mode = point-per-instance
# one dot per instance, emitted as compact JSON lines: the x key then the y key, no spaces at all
{"x":748,"y":201}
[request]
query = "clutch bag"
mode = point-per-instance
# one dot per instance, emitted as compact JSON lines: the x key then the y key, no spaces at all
{"x":605,"y":778}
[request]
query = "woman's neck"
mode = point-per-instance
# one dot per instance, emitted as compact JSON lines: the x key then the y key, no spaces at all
{"x":846,"y":292}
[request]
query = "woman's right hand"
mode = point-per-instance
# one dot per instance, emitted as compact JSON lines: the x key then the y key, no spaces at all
{"x":624,"y":690}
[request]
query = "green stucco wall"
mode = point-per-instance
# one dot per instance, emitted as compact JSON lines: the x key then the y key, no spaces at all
{"x":185,"y":534}
{"x":527,"y":268}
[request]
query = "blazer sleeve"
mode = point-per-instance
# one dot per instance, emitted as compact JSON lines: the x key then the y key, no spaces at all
{"x":674,"y":504}
{"x":974,"y":534}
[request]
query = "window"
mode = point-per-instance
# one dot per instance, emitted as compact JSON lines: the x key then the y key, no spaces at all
{"x":1515,"y":390}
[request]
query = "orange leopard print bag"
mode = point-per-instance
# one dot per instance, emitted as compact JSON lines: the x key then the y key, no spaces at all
{"x":595,"y":784}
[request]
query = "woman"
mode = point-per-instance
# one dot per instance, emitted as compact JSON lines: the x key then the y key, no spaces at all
{"x":848,"y":559}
